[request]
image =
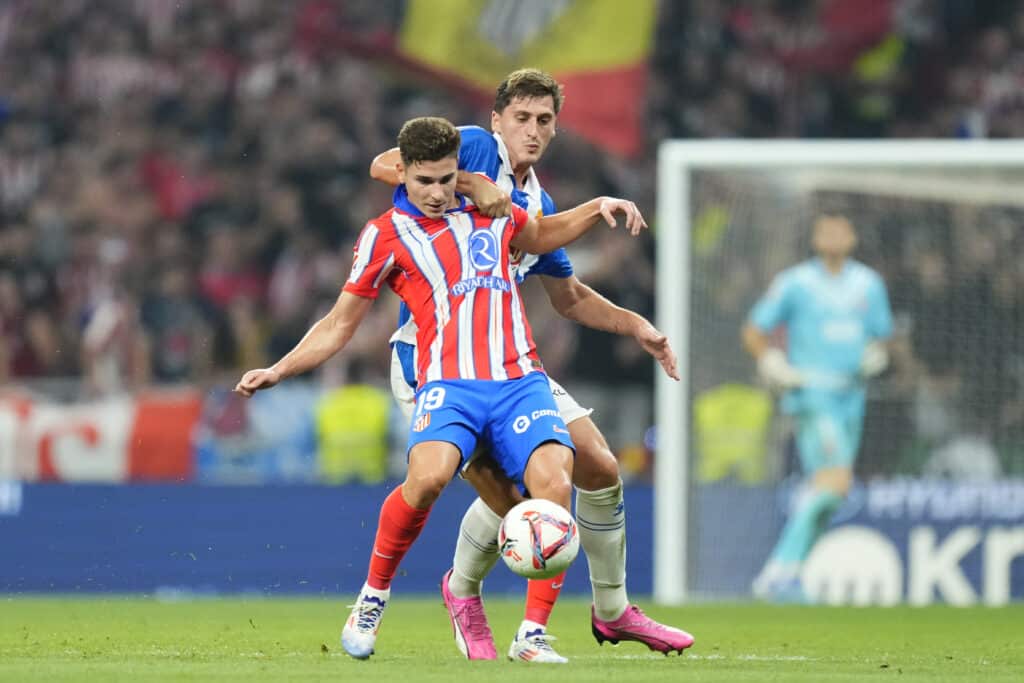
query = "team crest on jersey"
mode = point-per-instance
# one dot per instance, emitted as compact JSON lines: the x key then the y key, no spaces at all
{"x":422,"y":422}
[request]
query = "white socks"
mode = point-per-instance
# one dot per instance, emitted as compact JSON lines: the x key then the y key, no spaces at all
{"x":601,"y":518}
{"x":527,"y":626}
{"x":602,"y":526}
{"x":368,"y":590}
{"x":476,"y":551}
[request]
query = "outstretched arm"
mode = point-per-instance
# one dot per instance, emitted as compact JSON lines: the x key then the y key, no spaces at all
{"x":325,"y":338}
{"x":487,"y":196}
{"x":544,"y":235}
{"x":579,"y":303}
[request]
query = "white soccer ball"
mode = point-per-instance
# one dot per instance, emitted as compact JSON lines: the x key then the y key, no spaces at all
{"x":538,"y":539}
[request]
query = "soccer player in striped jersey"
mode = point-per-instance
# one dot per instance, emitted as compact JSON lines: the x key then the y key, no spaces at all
{"x":496,"y":169}
{"x":479,"y":373}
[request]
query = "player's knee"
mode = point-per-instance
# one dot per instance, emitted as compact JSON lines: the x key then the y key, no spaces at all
{"x":558,"y":491}
{"x":837,"y":480}
{"x":551,"y":479}
{"x":421,"y":490}
{"x":498,"y":492}
{"x":502,"y":502}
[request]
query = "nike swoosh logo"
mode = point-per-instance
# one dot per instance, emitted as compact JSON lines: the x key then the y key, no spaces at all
{"x":439,"y":233}
{"x":555,"y":585}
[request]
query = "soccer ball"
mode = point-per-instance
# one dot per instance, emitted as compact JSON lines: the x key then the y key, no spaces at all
{"x":538,"y":539}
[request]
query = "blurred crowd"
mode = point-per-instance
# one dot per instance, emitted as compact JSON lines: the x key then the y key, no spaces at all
{"x":181,"y":181}
{"x":839,"y":68}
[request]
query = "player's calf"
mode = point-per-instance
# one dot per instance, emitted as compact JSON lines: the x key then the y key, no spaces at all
{"x":595,"y":466}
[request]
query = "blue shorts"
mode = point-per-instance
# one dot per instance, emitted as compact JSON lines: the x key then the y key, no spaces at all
{"x":829,"y":431}
{"x":513,"y":417}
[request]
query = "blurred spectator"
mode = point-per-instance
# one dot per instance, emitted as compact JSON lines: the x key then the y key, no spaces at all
{"x":28,"y":338}
{"x":179,"y":326}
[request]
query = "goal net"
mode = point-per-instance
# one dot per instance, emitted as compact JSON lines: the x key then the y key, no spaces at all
{"x":943,"y":223}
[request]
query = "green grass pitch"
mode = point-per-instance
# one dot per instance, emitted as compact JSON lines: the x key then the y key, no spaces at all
{"x":137,"y":639}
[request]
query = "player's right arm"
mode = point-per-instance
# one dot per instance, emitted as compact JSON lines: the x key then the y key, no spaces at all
{"x":326,"y":337}
{"x":540,"y":236}
{"x":373,"y":262}
{"x":768,"y":313}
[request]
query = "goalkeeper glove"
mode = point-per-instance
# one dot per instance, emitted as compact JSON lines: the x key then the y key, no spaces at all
{"x":776,"y":371}
{"x":874,"y":360}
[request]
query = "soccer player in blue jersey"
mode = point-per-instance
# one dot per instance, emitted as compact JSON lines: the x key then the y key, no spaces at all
{"x":836,"y":314}
{"x":496,"y":170}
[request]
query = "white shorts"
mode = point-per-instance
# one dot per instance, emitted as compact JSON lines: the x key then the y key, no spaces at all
{"x":405,"y":396}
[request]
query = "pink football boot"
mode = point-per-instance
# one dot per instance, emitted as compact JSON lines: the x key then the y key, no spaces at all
{"x":635,"y":625}
{"x":472,"y":634}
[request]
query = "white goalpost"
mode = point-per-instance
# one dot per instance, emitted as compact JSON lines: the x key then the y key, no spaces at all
{"x":732,"y":213}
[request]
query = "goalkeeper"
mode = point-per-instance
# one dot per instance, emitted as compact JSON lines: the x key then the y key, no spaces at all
{"x":836,"y":314}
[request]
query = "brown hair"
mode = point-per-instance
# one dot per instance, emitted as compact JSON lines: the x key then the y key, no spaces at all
{"x":428,"y":138}
{"x":528,"y":83}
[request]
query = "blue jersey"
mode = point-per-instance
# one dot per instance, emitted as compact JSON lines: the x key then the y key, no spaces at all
{"x":485,"y":153}
{"x":829,"y":319}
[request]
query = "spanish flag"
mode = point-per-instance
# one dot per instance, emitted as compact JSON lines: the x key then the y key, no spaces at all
{"x":597,"y":49}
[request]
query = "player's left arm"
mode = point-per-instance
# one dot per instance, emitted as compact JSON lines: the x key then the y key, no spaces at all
{"x":477,"y":156}
{"x":579,"y":303}
{"x":875,"y":358}
{"x":540,"y":236}
{"x":487,"y":196}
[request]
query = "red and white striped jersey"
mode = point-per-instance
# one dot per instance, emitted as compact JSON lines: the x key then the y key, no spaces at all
{"x":454,"y":274}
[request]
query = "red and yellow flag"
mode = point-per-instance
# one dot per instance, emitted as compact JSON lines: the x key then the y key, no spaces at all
{"x":597,"y":48}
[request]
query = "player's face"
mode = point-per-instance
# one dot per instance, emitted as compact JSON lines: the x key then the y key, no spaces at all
{"x":526,"y":125}
{"x":430,"y":184}
{"x":834,"y":237}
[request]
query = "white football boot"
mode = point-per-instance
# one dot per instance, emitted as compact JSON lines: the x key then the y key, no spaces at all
{"x":533,"y":644}
{"x":360,"y":632}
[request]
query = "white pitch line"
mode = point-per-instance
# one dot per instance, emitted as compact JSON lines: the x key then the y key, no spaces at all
{"x":755,"y":658}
